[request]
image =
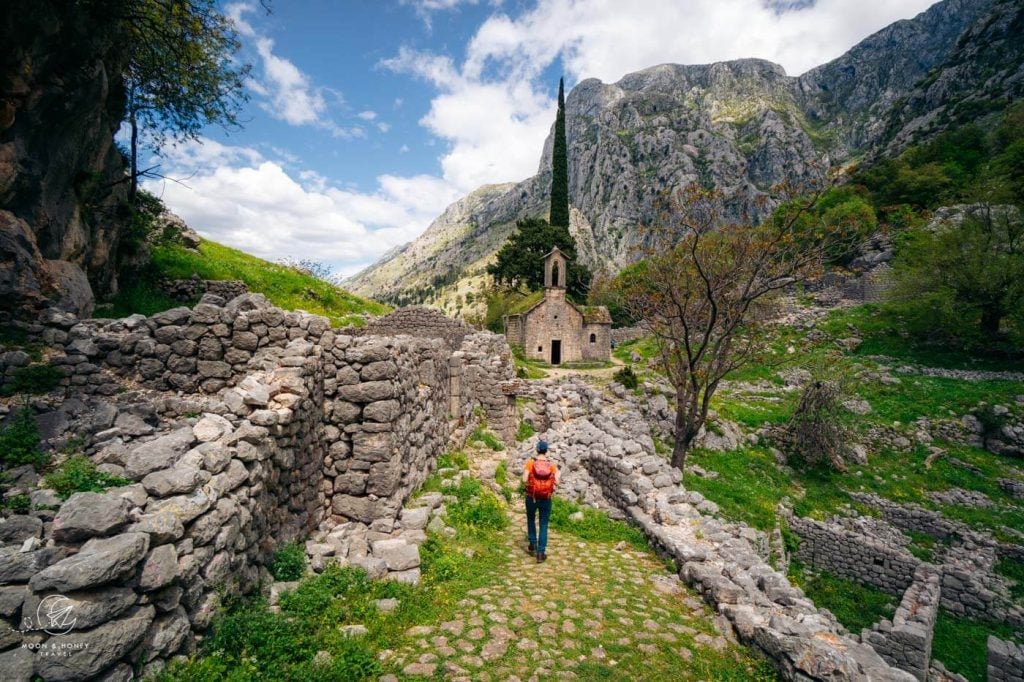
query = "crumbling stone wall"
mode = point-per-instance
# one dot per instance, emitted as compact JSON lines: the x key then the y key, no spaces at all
{"x":300,"y":429}
{"x":853,"y":554}
{"x":906,"y":640}
{"x":192,"y":289}
{"x":1005,"y":661}
{"x":621,"y":335}
{"x":421,"y":322}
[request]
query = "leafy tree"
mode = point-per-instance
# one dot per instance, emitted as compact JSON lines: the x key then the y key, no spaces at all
{"x":181,"y":74}
{"x":560,"y":166}
{"x":702,"y":297}
{"x":963,"y":275}
{"x":520,"y":262}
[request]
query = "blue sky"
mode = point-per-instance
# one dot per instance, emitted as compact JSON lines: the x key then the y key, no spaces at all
{"x":367,"y":118}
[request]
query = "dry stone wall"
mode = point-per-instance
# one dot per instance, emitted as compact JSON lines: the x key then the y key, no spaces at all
{"x":853,"y":553}
{"x":1005,"y":661}
{"x":240,"y":427}
{"x":192,"y":289}
{"x":906,"y":640}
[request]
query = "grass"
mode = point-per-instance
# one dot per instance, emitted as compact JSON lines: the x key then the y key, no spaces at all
{"x":595,"y":526}
{"x":525,"y":431}
{"x":484,"y":437}
{"x":284,"y":286}
{"x":527,"y":368}
{"x":883,"y":333}
{"x":749,"y":485}
{"x":1014,"y":570}
{"x":77,"y":474}
{"x":960,"y":644}
{"x":854,"y":605}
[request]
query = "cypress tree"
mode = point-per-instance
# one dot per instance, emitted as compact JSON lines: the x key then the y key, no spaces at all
{"x":560,"y":166}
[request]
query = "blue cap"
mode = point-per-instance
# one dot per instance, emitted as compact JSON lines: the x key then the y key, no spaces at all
{"x":542,"y":446}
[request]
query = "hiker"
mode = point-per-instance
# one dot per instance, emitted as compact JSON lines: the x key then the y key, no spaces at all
{"x":541,"y":477}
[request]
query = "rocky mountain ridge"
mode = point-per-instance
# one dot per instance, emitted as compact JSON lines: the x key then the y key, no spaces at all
{"x":742,"y":126}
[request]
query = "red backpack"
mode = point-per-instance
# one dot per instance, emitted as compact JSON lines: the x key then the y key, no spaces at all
{"x":540,"y":484}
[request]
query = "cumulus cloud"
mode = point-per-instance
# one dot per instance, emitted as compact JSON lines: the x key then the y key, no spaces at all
{"x":236,"y":196}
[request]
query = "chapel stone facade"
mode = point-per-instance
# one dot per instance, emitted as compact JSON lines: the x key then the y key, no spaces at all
{"x":556,"y":330}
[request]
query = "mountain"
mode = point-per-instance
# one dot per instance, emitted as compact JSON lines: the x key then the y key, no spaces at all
{"x":742,"y":126}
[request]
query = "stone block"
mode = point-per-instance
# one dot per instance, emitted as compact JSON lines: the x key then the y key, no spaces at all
{"x":100,"y":561}
{"x":86,"y":515}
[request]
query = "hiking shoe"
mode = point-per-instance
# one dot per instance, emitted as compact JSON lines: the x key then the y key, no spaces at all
{"x":531,"y":549}
{"x":541,"y":556}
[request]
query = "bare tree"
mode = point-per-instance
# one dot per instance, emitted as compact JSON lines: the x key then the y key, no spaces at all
{"x":703,"y":290}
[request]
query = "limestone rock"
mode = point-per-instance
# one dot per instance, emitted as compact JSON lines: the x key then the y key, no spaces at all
{"x":160,"y":453}
{"x":99,"y":647}
{"x":100,"y":561}
{"x":85,"y":515}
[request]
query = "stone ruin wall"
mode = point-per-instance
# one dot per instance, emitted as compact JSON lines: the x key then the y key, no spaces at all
{"x":906,"y":640}
{"x":281,"y":426}
{"x":1005,"y":661}
{"x":193,"y":288}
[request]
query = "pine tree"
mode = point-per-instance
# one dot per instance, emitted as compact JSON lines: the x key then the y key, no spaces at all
{"x":560,"y":166}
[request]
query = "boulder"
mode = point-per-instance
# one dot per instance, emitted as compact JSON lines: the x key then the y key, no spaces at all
{"x":20,"y":527}
{"x":97,"y":649}
{"x":180,"y":479}
{"x":161,"y":453}
{"x":85,"y":609}
{"x":87,"y":515}
{"x":397,"y":554}
{"x":162,"y":527}
{"x":100,"y":561}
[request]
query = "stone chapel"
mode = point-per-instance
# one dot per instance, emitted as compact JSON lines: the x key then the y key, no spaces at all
{"x":556,"y":330}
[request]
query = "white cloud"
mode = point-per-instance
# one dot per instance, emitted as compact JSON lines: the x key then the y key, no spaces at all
{"x":367,"y":115}
{"x":236,"y":196}
{"x":383,"y":126}
{"x":404,"y":149}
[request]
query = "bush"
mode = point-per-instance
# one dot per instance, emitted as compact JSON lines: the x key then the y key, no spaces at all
{"x":78,"y":475}
{"x":19,"y":441}
{"x":33,"y":379}
{"x":19,"y":504}
{"x":815,"y":433}
{"x":477,"y":508}
{"x":289,"y":562}
{"x":627,"y":377}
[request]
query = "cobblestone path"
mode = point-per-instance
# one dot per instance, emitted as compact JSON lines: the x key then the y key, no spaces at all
{"x":592,"y":611}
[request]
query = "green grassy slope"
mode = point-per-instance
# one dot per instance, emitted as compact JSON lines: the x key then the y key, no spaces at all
{"x":284,"y":286}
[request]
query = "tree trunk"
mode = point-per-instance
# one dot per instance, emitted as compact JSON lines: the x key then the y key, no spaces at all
{"x":684,"y":435}
{"x":990,"y":319}
{"x":133,"y":186}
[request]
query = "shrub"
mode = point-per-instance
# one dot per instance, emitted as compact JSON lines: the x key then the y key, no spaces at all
{"x":78,"y":475}
{"x":627,"y":377}
{"x":19,"y":504}
{"x":19,"y":441}
{"x":289,"y":562}
{"x":33,"y":379}
{"x":525,"y":431}
{"x":815,"y":433}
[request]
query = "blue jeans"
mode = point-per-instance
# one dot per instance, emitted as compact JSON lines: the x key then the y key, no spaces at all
{"x":532,"y":507}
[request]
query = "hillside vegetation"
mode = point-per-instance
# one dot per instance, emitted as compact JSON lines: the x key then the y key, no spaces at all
{"x":285,"y":286}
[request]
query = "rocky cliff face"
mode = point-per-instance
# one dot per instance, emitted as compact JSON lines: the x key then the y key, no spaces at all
{"x":742,"y":126}
{"x":60,"y":104}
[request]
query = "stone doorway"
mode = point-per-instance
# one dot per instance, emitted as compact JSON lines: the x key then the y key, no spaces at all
{"x":556,"y":352}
